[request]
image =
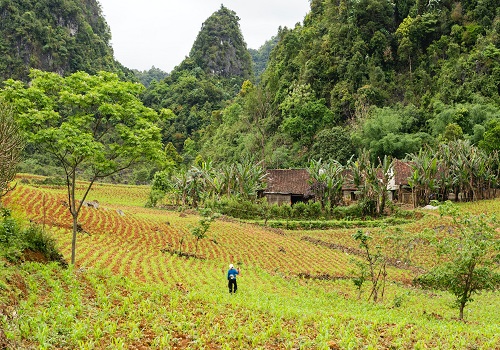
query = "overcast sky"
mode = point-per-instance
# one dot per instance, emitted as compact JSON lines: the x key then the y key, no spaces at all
{"x":160,"y":33}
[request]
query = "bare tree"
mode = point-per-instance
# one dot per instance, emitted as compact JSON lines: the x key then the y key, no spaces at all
{"x":11,"y":147}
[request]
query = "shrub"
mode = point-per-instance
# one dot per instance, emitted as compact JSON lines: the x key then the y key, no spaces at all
{"x":314,"y":210}
{"x":37,"y":240}
{"x":299,"y":210}
{"x":348,"y":213}
{"x":275,"y":211}
{"x":8,"y":228}
{"x":236,"y":207}
{"x":15,"y":240}
{"x":154,"y":197}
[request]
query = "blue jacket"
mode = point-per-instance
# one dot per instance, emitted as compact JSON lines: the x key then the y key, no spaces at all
{"x":232,"y":272}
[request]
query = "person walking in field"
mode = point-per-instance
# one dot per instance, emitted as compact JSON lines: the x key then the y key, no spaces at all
{"x":231,"y":278}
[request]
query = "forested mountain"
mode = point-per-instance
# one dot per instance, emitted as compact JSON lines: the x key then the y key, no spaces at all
{"x":61,"y":36}
{"x":219,"y":48}
{"x":260,"y":57}
{"x":195,"y":90}
{"x":388,"y":76}
{"x":147,"y":76}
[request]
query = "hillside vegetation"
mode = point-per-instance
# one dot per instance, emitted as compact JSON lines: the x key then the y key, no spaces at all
{"x":129,"y":289}
{"x":391,"y":77}
{"x":53,"y":35}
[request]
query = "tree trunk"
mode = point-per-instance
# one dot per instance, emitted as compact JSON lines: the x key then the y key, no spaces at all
{"x":73,"y":242}
{"x":462,"y":306}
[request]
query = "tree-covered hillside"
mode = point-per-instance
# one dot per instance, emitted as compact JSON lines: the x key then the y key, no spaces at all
{"x":260,"y":57}
{"x":218,"y":64}
{"x":220,"y":49}
{"x":388,"y":76}
{"x":62,"y":36}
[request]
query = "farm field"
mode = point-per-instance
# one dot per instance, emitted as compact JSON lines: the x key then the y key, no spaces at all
{"x":128,"y":290}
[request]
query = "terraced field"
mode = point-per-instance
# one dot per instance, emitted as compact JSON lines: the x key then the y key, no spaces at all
{"x":294,"y":290}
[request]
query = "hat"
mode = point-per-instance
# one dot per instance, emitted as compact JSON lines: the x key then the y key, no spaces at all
{"x":231,"y":266}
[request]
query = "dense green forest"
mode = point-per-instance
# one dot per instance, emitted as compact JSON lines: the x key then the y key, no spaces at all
{"x":389,"y":77}
{"x":62,"y":36}
{"x":260,"y":57}
{"x":200,"y":87}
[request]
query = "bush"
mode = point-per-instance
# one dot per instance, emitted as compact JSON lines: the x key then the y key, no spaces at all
{"x":314,"y":210}
{"x":348,"y":213}
{"x":15,"y":240}
{"x":154,"y":197}
{"x":275,"y":211}
{"x":299,"y":210}
{"x":37,"y":240}
{"x":237,"y":208}
{"x":8,"y":228}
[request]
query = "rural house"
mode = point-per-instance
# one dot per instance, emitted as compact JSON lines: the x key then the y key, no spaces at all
{"x":399,"y":186}
{"x":288,"y":186}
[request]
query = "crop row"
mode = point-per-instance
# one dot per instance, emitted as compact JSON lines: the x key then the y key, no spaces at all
{"x":140,"y":242}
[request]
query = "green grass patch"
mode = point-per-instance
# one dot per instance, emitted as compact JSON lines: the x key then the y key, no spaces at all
{"x":329,"y":224}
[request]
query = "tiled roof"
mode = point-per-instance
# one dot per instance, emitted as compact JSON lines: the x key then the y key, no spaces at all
{"x":402,"y":171}
{"x":348,"y":184}
{"x":288,"y":181}
{"x":296,"y":181}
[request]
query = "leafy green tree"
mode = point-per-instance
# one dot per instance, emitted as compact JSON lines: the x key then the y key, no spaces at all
{"x":11,"y":147}
{"x":491,"y":138}
{"x":469,"y":252}
{"x":452,"y":132}
{"x":88,"y":124}
{"x":391,"y":131}
{"x":303,"y":114}
{"x":333,"y":144}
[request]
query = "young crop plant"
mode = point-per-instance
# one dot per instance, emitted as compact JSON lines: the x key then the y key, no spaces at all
{"x":199,"y":231}
{"x":469,"y":252}
{"x":375,"y":264}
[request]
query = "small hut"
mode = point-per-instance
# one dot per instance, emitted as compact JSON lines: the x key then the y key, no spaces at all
{"x":288,"y":186}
